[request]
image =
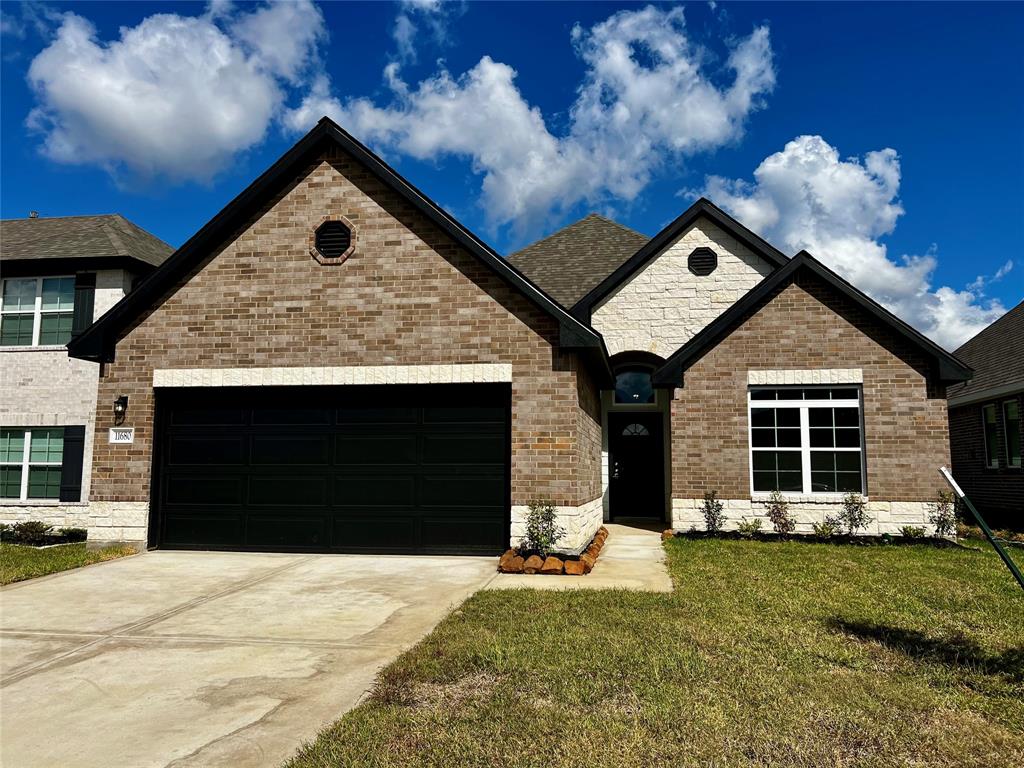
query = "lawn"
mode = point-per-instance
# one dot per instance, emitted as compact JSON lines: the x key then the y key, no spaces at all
{"x":18,"y":563}
{"x":765,"y":654}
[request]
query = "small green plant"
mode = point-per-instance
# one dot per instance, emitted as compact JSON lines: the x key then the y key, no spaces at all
{"x":73,"y":534}
{"x":777,"y":510}
{"x":826,"y":529}
{"x":714,"y":518}
{"x":912,"y":532}
{"x":854,"y":515}
{"x":942,"y":513}
{"x":542,"y":530}
{"x":30,"y":532}
{"x":5,"y":530}
{"x":749,"y":528}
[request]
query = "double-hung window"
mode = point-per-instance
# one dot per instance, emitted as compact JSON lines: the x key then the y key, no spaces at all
{"x":36,"y":311}
{"x":989,"y":418}
{"x":806,"y":439}
{"x":31,"y":462}
{"x":1011,"y":428}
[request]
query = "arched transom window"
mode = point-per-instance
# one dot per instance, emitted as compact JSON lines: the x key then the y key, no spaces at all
{"x":633,"y":386}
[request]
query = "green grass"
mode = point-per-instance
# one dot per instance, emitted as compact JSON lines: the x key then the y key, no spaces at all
{"x":18,"y":563}
{"x":765,"y":654}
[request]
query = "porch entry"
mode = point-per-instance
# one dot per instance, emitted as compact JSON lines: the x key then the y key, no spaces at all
{"x":636,"y":464}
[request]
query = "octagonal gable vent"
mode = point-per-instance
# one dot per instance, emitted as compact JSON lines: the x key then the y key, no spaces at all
{"x":333,"y":239}
{"x":702,"y":261}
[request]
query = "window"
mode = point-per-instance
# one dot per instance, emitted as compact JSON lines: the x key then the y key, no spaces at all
{"x":635,"y":430}
{"x":634,"y":386}
{"x":1011,"y":428}
{"x":806,"y":440}
{"x":31,"y":462}
{"x":988,"y":422}
{"x":36,"y":311}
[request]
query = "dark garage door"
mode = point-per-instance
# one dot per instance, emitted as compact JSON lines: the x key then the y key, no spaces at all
{"x":335,"y":469}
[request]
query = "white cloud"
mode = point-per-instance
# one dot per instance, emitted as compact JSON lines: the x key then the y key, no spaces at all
{"x":807,"y":197}
{"x":647,"y":100}
{"x":412,"y":14}
{"x":176,"y":96}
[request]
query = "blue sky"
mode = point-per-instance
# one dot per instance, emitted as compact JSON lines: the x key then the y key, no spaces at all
{"x":888,"y":139}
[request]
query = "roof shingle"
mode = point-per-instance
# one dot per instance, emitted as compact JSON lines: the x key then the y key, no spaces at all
{"x":568,"y":263}
{"x":996,"y":354}
{"x":67,"y":237}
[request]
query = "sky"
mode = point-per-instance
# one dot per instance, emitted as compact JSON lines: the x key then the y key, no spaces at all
{"x":887,"y":139}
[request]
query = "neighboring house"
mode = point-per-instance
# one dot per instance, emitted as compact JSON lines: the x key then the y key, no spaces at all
{"x":984,"y":421}
{"x":58,"y":275}
{"x":334,"y":363}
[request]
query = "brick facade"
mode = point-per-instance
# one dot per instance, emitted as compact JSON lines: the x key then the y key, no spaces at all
{"x":408,"y":295}
{"x":998,"y":493}
{"x":808,"y":325}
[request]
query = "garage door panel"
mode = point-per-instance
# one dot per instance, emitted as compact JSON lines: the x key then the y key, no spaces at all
{"x":205,"y":490}
{"x":417,"y":468}
{"x":289,"y":490}
{"x":185,"y":450}
{"x":359,"y":449}
{"x":375,"y":490}
{"x":291,"y":449}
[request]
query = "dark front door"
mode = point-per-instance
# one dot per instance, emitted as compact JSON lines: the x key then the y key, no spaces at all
{"x":334,"y":469}
{"x":636,"y":455}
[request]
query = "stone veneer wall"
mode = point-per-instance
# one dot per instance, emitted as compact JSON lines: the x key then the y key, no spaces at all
{"x":43,"y":387}
{"x":408,"y":295}
{"x":809,"y":327}
{"x":665,"y":305}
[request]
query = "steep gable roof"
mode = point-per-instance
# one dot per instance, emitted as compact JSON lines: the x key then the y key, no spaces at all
{"x":703,"y":207}
{"x":80,"y":237}
{"x":569,"y":262}
{"x":997,"y":356}
{"x":99,"y":340}
{"x":947,"y":367}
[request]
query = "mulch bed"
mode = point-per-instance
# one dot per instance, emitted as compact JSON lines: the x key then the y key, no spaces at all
{"x":809,"y":538}
{"x":525,"y":561}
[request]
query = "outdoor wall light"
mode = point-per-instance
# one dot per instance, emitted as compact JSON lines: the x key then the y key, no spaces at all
{"x":120,"y":408}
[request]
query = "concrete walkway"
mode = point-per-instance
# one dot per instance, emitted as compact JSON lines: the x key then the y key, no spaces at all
{"x":206,"y":659}
{"x":633,"y":558}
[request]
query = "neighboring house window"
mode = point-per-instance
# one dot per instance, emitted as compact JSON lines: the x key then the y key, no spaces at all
{"x":30,"y":462}
{"x":634,"y":386}
{"x":1011,"y":428}
{"x":36,"y":311}
{"x":988,"y":420}
{"x":806,"y":440}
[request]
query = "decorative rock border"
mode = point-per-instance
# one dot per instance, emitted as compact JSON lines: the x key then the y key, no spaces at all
{"x":514,"y":562}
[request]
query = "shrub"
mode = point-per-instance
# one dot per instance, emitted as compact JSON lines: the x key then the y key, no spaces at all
{"x":714,"y":519}
{"x":5,"y":530}
{"x":542,"y":531}
{"x":854,"y":514}
{"x":749,"y":527}
{"x":826,"y":529}
{"x":942,"y":514}
{"x":73,"y":534}
{"x":777,"y":511}
{"x":912,"y":532}
{"x":30,"y":532}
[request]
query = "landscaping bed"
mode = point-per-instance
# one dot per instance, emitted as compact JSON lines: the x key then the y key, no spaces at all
{"x":792,"y":655}
{"x":34,"y":533}
{"x":533,"y":561}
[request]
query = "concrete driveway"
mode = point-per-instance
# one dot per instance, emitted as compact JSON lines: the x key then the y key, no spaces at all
{"x":206,"y":659}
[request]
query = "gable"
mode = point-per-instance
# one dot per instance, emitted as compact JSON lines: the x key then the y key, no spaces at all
{"x":664,"y":304}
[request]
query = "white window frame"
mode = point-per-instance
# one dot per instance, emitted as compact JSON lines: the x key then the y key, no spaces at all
{"x":991,"y":462}
{"x":805,"y":448}
{"x":37,"y":311}
{"x":26,"y":462}
{"x":1006,"y":432}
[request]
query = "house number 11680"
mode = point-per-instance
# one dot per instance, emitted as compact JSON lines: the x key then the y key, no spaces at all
{"x":122,"y":435}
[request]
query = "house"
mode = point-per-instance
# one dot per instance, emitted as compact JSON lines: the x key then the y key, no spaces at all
{"x":334,"y":363}
{"x":984,"y":421}
{"x":58,"y":275}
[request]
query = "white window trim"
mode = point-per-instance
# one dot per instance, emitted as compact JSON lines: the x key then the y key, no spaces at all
{"x":37,"y":311}
{"x":990,"y":461}
{"x":1006,"y":433}
{"x":25,"y":463}
{"x":805,"y":449}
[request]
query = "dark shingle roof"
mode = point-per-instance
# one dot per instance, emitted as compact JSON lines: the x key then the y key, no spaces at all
{"x":996,"y":355}
{"x":69,"y":237}
{"x":570,"y":262}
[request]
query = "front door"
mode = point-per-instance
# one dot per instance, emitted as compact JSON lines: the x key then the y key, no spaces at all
{"x":636,"y":455}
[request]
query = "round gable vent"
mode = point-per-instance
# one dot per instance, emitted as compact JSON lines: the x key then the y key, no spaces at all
{"x":333,"y":241}
{"x":702,"y":261}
